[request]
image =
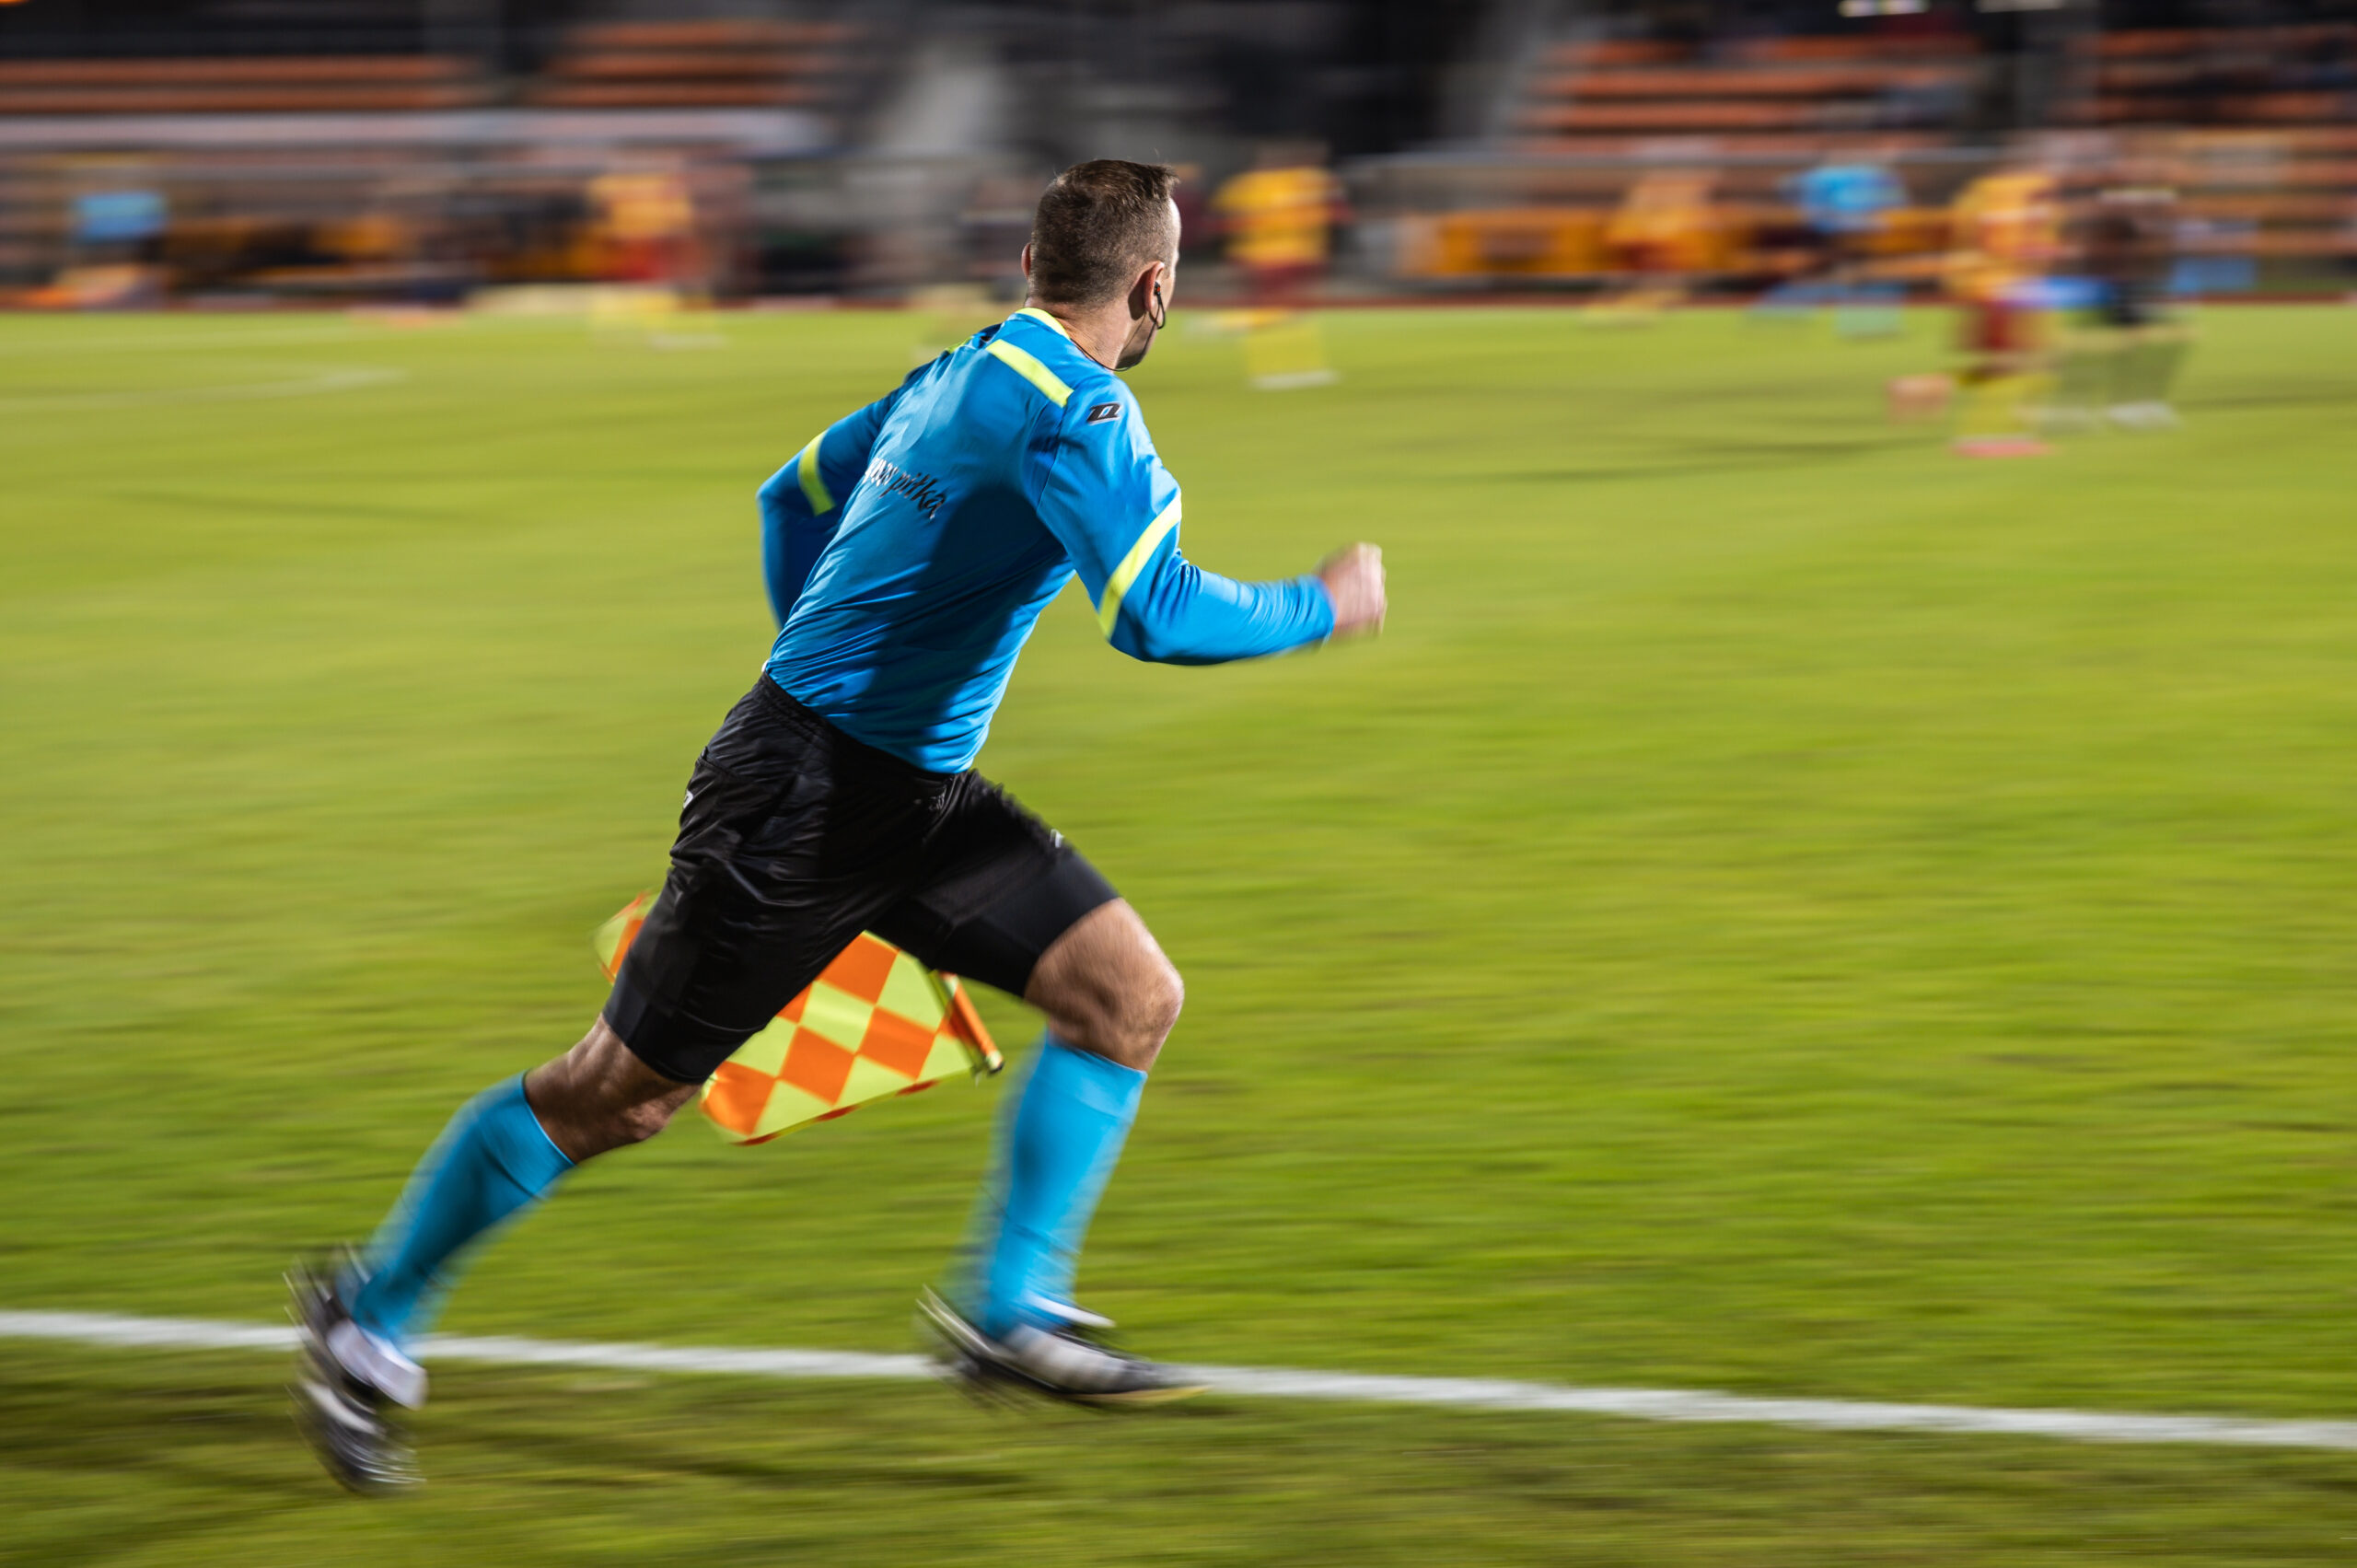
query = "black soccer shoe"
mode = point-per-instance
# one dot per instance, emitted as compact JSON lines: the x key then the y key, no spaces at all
{"x":1054,"y":1364}
{"x":348,"y":1422}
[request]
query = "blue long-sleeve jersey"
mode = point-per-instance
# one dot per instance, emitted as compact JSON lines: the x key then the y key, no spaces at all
{"x":910,"y":546}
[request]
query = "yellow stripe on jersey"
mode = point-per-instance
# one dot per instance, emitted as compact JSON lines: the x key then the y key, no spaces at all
{"x":1030,"y":369}
{"x":1109,"y":608}
{"x":814,"y":489}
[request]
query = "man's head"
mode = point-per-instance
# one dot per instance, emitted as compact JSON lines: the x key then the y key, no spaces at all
{"x":1107,"y":233}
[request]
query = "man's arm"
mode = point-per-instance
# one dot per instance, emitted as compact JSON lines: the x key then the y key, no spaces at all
{"x":803,"y":502}
{"x":1115,"y":508}
{"x":1175,"y":612}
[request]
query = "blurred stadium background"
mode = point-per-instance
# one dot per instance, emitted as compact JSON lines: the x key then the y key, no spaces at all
{"x":239,"y":151}
{"x":1781,"y":910}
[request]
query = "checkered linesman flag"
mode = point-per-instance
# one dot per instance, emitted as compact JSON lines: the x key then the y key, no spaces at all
{"x":875,"y":1023}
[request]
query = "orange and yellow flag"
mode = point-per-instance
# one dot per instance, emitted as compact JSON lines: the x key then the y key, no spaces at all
{"x":875,"y":1023}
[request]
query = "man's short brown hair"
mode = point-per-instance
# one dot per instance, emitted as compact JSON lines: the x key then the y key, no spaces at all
{"x":1098,"y":225}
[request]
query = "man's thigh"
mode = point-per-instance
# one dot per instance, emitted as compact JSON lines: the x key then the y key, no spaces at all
{"x":793,"y":839}
{"x":998,"y":887}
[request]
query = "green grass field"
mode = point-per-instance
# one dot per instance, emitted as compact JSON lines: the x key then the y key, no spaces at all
{"x":1781,"y":910}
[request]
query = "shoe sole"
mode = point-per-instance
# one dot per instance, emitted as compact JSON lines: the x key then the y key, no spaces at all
{"x":992,"y":1382}
{"x":319,"y":1408}
{"x":978,"y":1371}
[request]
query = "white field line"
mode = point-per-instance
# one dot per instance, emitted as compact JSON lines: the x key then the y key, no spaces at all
{"x":166,"y":340}
{"x":324,"y":380}
{"x":1267,"y":1382}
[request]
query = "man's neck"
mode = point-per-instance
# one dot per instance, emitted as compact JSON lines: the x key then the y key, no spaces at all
{"x":1100,"y":332}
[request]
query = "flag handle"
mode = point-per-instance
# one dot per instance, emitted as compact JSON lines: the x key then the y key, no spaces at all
{"x":988,"y":1059}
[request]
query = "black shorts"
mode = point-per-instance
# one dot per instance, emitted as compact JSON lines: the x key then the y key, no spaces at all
{"x":794,"y":837}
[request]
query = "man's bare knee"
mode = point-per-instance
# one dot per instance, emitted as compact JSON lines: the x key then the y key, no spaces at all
{"x":1152,"y":1008}
{"x":1130,"y":1026}
{"x":1106,"y":987}
{"x":599,"y":1097}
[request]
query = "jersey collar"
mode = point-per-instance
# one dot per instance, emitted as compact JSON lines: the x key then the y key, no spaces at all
{"x":1039,"y":315}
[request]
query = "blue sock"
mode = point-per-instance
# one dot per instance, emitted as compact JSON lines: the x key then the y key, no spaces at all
{"x":1056,"y":1152}
{"x":490,"y":1161}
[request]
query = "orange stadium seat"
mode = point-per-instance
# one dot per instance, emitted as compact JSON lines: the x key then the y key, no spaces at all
{"x":708,"y":64}
{"x":2239,"y":77}
{"x":1859,"y":47}
{"x":1618,"y":52}
{"x":1689,"y":115}
{"x":238,"y":85}
{"x":1652,"y":88}
{"x":1762,"y":82}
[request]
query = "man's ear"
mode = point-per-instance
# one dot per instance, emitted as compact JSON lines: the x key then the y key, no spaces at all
{"x":1026,"y":260}
{"x":1142,"y":291}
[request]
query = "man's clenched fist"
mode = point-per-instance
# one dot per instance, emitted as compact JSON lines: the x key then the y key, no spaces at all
{"x":1354,"y":579}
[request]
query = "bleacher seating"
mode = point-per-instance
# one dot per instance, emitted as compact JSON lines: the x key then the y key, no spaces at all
{"x":2261,"y":119}
{"x":2287,"y":76}
{"x":252,"y":85}
{"x":1775,"y":95}
{"x":710,"y":63}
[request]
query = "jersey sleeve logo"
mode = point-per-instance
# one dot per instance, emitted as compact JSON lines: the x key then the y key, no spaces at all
{"x":1103,"y":412}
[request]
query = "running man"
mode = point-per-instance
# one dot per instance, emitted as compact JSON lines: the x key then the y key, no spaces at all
{"x":1848,"y":202}
{"x":2130,"y":252}
{"x":909,"y":548}
{"x":1280,"y":215}
{"x":2007,"y":233}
